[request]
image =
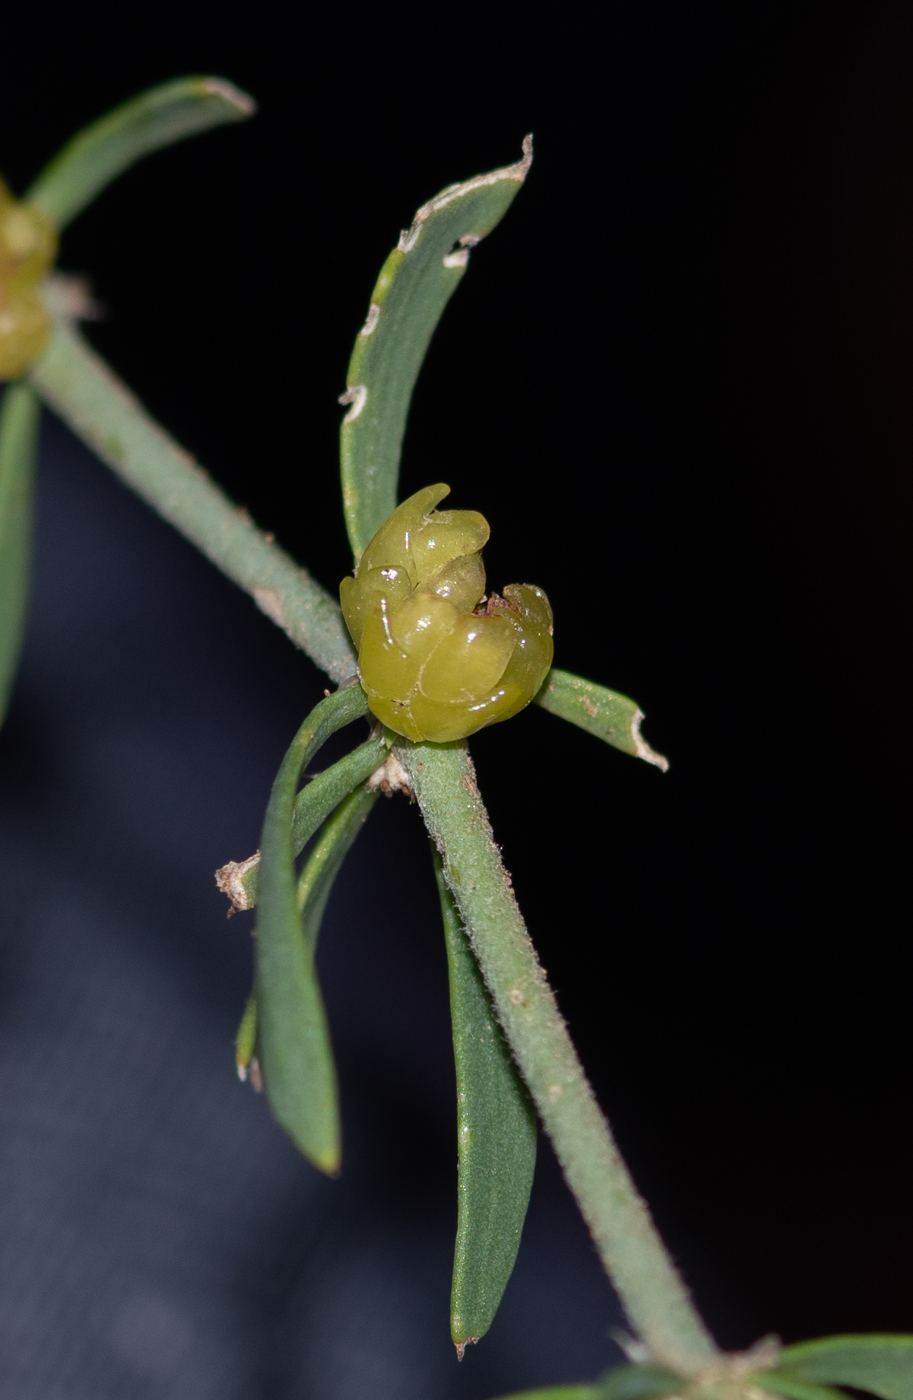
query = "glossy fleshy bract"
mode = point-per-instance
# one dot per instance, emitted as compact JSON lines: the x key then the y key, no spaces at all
{"x":437,"y":660}
{"x":28,"y":243}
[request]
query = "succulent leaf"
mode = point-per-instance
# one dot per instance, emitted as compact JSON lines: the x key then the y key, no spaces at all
{"x":496,"y":1141}
{"x":415,"y":284}
{"x":19,"y":416}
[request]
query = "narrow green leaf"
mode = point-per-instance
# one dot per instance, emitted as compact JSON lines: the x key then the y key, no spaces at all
{"x":79,"y":386}
{"x":561,"y":1392}
{"x":19,"y":416}
{"x":496,"y":1141}
{"x":793,"y":1387}
{"x":326,"y":790}
{"x":882,"y":1364}
{"x":99,"y":153}
{"x":636,"y":1381}
{"x":314,"y":886}
{"x":246,"y":1039}
{"x":415,"y":284}
{"x":325,"y":860}
{"x":238,"y":878}
{"x":293,"y":1039}
{"x":599,"y":711}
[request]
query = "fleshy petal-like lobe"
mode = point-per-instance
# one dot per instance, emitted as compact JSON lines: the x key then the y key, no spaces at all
{"x":435,"y":664}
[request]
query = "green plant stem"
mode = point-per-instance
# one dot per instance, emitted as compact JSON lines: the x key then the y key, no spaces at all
{"x":648,"y":1284}
{"x":315,"y":883}
{"x":496,"y":1140}
{"x":78,"y":385}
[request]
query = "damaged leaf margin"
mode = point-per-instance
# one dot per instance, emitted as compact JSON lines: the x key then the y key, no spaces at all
{"x":415,"y":284}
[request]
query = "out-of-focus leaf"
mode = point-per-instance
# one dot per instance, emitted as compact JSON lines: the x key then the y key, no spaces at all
{"x":561,"y":1392}
{"x":639,"y":1381}
{"x":415,"y":284}
{"x":881,"y":1363}
{"x":602,"y":712}
{"x":99,"y":153}
{"x":292,"y":1036}
{"x":19,"y":416}
{"x":496,"y":1141}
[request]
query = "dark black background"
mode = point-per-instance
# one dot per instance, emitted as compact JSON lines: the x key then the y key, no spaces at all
{"x":677,"y":382}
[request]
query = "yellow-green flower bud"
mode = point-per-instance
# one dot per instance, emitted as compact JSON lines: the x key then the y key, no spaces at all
{"x":28,"y":244}
{"x":437,"y":659}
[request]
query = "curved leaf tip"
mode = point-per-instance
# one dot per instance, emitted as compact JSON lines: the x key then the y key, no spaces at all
{"x":516,"y":172}
{"x":107,"y":147}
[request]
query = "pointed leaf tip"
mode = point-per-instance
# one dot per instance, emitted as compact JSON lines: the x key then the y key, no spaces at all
{"x":414,"y":286}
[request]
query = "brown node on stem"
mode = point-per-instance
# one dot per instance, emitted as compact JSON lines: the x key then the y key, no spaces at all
{"x":230,"y":880}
